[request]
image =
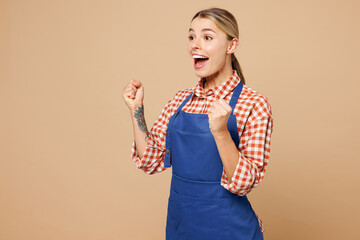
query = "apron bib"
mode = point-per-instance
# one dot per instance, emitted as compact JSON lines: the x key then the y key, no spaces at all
{"x":199,"y":208}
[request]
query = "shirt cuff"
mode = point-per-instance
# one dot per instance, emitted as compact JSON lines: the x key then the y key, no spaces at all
{"x":135,"y":156}
{"x":242,"y":180}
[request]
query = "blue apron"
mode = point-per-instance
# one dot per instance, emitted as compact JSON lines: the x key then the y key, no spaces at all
{"x":199,"y":207}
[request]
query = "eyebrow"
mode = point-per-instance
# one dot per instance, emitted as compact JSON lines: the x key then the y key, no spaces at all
{"x":203,"y":30}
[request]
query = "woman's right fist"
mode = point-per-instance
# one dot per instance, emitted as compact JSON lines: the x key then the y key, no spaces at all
{"x":133,"y":94}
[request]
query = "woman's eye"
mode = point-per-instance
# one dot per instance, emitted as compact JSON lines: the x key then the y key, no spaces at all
{"x":191,"y":38}
{"x":208,"y":38}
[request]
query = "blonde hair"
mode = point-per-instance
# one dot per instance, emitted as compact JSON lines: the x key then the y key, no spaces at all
{"x":227,"y":23}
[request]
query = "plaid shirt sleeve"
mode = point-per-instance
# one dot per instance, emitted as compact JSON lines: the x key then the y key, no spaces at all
{"x":254,"y":149}
{"x":153,"y":157}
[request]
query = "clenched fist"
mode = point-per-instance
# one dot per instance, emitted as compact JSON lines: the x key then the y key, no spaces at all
{"x":219,"y":114}
{"x":133,"y":94}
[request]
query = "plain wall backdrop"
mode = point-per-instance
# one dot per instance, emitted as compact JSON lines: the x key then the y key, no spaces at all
{"x":66,"y":134}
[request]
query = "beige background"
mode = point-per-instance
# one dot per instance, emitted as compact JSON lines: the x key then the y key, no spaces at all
{"x":65,"y":133}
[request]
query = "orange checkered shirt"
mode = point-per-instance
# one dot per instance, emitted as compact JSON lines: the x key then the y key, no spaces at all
{"x":254,"y":123}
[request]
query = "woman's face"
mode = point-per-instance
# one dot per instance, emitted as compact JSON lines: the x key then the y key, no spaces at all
{"x":208,"y":46}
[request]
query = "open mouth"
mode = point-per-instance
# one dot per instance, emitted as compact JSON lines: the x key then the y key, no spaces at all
{"x":200,"y":61}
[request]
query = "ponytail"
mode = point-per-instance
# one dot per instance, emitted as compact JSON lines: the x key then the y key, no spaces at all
{"x":236,"y":66}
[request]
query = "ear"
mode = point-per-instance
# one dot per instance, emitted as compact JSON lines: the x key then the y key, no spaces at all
{"x":232,"y":46}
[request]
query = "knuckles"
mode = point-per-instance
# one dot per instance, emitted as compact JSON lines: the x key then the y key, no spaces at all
{"x":220,"y":108}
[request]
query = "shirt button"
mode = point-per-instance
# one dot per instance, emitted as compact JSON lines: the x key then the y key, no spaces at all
{"x":167,"y":151}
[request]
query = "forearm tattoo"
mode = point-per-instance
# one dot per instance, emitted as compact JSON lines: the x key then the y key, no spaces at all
{"x":140,"y":118}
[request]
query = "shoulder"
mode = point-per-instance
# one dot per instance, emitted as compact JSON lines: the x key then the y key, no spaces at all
{"x":173,"y":104}
{"x":181,"y":95}
{"x":254,"y":103}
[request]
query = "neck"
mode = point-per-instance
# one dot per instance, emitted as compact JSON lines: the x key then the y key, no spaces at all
{"x":218,"y":78}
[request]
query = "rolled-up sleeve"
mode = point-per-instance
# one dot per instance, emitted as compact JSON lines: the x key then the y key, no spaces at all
{"x":153,"y":156}
{"x":254,"y":152}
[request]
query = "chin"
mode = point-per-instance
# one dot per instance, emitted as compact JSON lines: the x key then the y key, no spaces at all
{"x":203,"y":73}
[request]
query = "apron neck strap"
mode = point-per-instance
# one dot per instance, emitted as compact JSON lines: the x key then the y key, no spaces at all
{"x":233,"y":100}
{"x":183,"y":103}
{"x":235,"y":96}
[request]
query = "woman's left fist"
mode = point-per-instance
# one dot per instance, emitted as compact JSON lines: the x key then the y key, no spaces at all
{"x":218,"y":115}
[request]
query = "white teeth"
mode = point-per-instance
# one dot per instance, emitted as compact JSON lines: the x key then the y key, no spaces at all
{"x":197,"y":56}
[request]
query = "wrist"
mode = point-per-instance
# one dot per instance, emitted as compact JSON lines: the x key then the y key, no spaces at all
{"x":133,"y":109}
{"x":221,"y":134}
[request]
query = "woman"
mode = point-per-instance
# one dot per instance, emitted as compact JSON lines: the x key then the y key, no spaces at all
{"x":216,"y":137}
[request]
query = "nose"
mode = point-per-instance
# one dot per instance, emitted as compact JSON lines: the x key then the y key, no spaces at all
{"x":196,"y":44}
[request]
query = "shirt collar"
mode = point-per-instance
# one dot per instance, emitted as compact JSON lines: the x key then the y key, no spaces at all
{"x":220,"y":91}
